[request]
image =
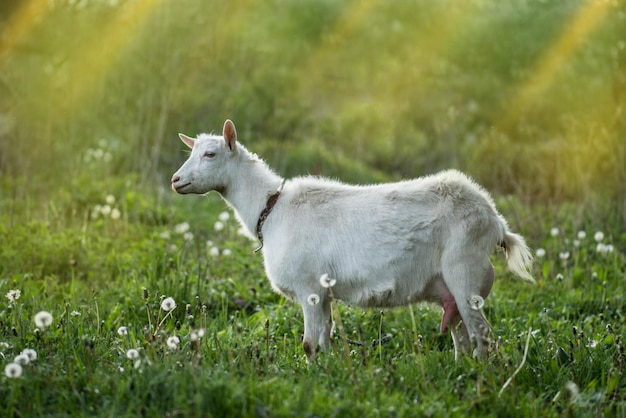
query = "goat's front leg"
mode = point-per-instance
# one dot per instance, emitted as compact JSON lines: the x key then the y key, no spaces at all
{"x":317,"y":324}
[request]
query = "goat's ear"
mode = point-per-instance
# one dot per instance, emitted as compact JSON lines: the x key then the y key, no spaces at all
{"x":230,"y":135}
{"x":188,"y":141}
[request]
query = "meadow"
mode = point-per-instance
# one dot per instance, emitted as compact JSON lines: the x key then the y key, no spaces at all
{"x":119,"y":298}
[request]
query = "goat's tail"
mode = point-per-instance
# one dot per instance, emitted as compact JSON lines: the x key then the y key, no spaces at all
{"x":518,"y":256}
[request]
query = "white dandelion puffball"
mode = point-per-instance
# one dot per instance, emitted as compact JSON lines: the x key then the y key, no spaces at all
{"x":326,"y":281}
{"x":540,"y":252}
{"x":105,"y":210}
{"x":598,"y":236}
{"x":182,"y":228}
{"x":313,"y":299}
{"x":122,"y":331}
{"x":115,"y":213}
{"x":13,"y":370}
{"x":218,"y":226}
{"x":13,"y":295}
{"x":21,"y":359}
{"x":173,"y":342}
{"x":476,"y":302}
{"x":168,"y":304}
{"x":132,"y":354}
{"x":30,"y":353}
{"x":554,"y":232}
{"x":224,"y":216}
{"x":43,"y":319}
{"x":196,"y":334}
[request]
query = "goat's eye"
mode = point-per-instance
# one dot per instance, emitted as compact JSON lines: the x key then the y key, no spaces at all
{"x":208,"y":154}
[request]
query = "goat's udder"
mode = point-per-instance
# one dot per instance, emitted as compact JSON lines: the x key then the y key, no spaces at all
{"x":450,"y":310}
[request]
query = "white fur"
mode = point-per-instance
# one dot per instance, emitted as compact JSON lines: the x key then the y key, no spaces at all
{"x":427,"y":239}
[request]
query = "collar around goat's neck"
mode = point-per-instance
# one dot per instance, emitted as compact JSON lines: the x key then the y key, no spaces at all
{"x":271,"y":201}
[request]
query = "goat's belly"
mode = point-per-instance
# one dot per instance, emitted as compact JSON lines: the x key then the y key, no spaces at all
{"x":392,"y":294}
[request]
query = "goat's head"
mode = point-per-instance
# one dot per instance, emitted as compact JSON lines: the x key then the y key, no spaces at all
{"x":208,"y":166}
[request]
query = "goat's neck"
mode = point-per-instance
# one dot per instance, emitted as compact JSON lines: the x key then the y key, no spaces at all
{"x":255,"y":183}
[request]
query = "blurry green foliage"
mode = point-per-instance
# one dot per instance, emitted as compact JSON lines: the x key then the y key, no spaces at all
{"x":527,"y":96}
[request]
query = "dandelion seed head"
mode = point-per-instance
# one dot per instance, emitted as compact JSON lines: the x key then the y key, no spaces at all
{"x":226,"y":252}
{"x":540,"y":252}
{"x":214,"y":251}
{"x":554,"y":232}
{"x":476,"y":302}
{"x":604,"y":248}
{"x":564,"y":255}
{"x":122,"y":331}
{"x":313,"y":299}
{"x":43,"y":319}
{"x":105,"y":210}
{"x":110,"y":199}
{"x":224,"y":216}
{"x":188,"y":236}
{"x":598,"y":236}
{"x":12,"y":370}
{"x":571,"y":390}
{"x":132,"y":354}
{"x":182,"y":228}
{"x":172,"y":342}
{"x":218,"y":226}
{"x":21,"y":359}
{"x":30,"y":353}
{"x":559,"y":277}
{"x":13,"y":295}
{"x":168,"y":304}
{"x":75,"y":313}
{"x":326,"y":281}
{"x":115,"y":213}
{"x":582,"y":235}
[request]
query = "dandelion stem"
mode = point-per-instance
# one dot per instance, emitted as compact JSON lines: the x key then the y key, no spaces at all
{"x":519,"y":368}
{"x":380,"y":337}
{"x":344,"y":339}
{"x":158,"y":327}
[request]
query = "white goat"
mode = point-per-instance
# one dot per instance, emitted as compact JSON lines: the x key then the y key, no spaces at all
{"x":427,"y":239}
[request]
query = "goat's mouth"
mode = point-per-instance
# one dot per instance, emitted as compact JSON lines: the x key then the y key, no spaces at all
{"x":179,"y":188}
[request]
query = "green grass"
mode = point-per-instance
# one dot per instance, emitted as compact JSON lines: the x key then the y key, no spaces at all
{"x":95,"y":274}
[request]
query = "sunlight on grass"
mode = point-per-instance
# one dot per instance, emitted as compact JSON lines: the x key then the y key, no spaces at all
{"x":21,"y":24}
{"x":574,"y":33}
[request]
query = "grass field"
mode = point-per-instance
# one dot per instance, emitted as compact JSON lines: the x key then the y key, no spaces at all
{"x":119,"y":298}
{"x":102,"y":267}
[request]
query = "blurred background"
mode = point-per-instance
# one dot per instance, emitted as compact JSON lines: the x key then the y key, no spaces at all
{"x":527,"y":96}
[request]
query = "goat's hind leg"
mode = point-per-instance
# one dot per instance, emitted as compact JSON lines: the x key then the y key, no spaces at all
{"x":469,"y":284}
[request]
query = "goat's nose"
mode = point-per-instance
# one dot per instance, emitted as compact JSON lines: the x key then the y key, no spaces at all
{"x":175,"y":178}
